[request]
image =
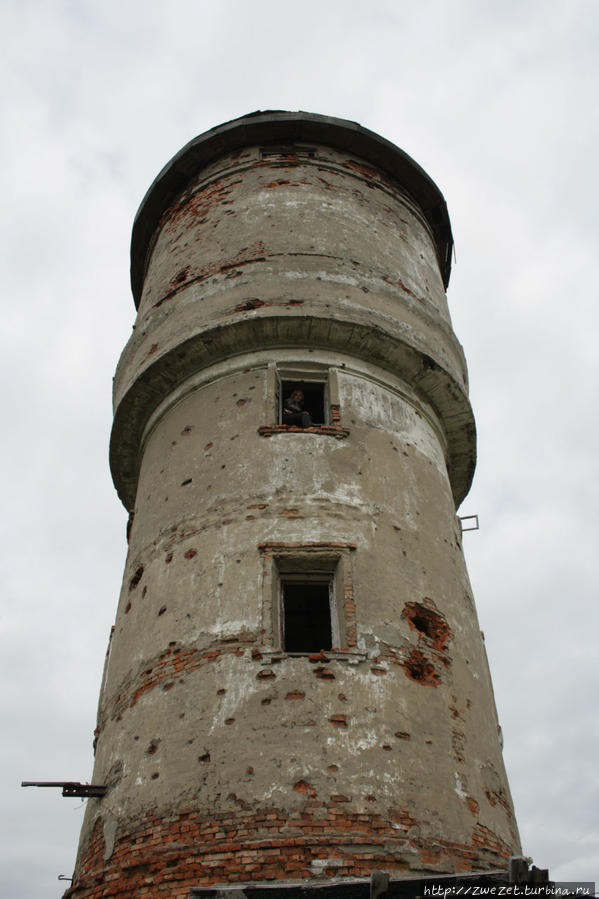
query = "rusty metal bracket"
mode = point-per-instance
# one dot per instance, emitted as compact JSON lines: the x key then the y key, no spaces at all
{"x":69,"y":787}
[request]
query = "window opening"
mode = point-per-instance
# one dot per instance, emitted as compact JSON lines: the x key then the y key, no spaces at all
{"x":312,"y":402}
{"x":306,"y":615}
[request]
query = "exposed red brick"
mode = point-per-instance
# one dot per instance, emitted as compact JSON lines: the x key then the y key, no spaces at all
{"x":266,"y":674}
{"x":428,"y":623}
{"x":472,"y":805}
{"x":338,"y":720}
{"x":495,"y":798}
{"x":168,"y":855}
{"x":419,"y":669}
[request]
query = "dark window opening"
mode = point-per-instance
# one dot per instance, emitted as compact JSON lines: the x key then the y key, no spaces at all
{"x":306,"y":616}
{"x":314,"y":399}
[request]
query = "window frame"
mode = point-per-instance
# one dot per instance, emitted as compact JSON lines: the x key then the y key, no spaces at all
{"x":302,"y":373}
{"x":322,"y":562}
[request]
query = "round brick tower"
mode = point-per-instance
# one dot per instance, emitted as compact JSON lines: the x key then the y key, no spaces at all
{"x":296,"y":688}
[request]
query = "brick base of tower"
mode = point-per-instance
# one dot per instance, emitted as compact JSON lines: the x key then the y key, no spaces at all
{"x":316,"y":842}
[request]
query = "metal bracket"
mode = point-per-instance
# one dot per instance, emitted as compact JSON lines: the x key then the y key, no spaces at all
{"x":69,"y":787}
{"x":473,"y":518}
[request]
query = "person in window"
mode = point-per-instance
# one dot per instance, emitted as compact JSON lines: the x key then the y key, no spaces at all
{"x":294,"y":412}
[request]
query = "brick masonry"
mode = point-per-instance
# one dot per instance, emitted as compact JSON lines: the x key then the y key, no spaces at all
{"x":168,"y":855}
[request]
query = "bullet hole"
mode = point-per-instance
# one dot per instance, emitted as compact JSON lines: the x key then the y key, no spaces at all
{"x":223,"y":466}
{"x":338,"y":720}
{"x":342,"y":697}
{"x":161,"y":611}
{"x":420,"y":670}
{"x":182,"y":715}
{"x":189,"y":742}
{"x":386,"y":747}
{"x":302,"y":786}
{"x":265,"y":674}
{"x":191,"y":553}
{"x":221,"y":692}
{"x":152,"y":748}
{"x":136,"y":738}
{"x":143,"y":592}
{"x":155,"y":775}
{"x":296,"y":694}
{"x":187,"y":430}
{"x":426,"y":621}
{"x":229,"y":720}
{"x":324,"y":673}
{"x":333,"y":768}
{"x":168,"y":686}
{"x":249,"y":770}
{"x":181,"y":276}
{"x":169,"y":559}
{"x":266,"y":701}
{"x":429,"y":742}
{"x":208,"y":446}
{"x":127,"y":608}
{"x":370,"y":799}
{"x":186,"y":482}
{"x":241,"y":402}
{"x":136,"y":578}
{"x":402,"y":735}
{"x":220,"y":583}
{"x":379,"y":671}
{"x":395,"y":528}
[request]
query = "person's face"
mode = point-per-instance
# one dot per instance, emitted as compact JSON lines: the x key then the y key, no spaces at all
{"x":297,"y":395}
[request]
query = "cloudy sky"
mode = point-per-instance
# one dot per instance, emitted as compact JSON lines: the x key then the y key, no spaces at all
{"x":498,"y":101}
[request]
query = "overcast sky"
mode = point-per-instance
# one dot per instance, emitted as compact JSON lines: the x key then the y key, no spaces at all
{"x":498,"y":102}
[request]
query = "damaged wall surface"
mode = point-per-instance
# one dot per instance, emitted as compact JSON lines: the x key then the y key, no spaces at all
{"x":276,"y":250}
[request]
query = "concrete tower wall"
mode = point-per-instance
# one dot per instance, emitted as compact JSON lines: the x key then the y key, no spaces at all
{"x":267,"y":254}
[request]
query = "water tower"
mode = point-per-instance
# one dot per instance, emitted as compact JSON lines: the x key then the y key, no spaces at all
{"x":296,"y":688}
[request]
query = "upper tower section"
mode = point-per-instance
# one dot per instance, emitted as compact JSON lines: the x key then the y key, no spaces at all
{"x":287,"y":230}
